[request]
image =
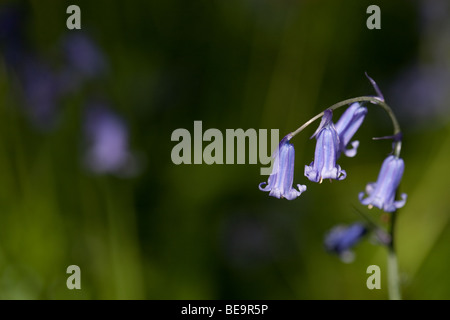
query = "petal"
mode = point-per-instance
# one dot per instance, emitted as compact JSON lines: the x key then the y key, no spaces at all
{"x":388,"y":207}
{"x":352,"y":152}
{"x":380,"y":203}
{"x":266,"y":188}
{"x":350,"y":122}
{"x":311,"y":173}
{"x":400,"y":203}
{"x":292,"y":194}
{"x":346,"y":117}
{"x":369,"y":190}
{"x":370,"y":187}
{"x":329,"y":150}
{"x":301,"y":187}
{"x":283,"y":141}
{"x":275,"y":192}
{"x":288,"y":170}
{"x":342,"y":174}
{"x":360,"y":198}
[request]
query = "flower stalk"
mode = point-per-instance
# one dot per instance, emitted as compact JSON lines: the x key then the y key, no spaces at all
{"x":393,"y":276}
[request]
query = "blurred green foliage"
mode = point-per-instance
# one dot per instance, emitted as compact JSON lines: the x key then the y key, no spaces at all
{"x":206,"y":231}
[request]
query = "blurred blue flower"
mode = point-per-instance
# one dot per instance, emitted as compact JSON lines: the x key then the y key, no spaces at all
{"x":421,"y":85}
{"x":341,"y":239}
{"x":83,"y":61}
{"x":37,"y":82}
{"x":327,"y":151}
{"x":282,"y":176}
{"x":347,"y":126}
{"x":41,"y":92}
{"x":107,"y":142}
{"x":381,"y":194}
{"x":83,"y":56}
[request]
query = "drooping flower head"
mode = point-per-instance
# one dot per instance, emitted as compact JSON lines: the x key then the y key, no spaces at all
{"x":282,"y":176}
{"x":327,"y":151}
{"x":381,"y":194}
{"x":341,"y":239}
{"x":347,"y":125}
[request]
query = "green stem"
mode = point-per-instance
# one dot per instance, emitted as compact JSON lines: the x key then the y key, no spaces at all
{"x":393,"y":278}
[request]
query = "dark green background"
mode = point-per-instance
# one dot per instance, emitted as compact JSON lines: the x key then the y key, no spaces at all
{"x":206,"y":231}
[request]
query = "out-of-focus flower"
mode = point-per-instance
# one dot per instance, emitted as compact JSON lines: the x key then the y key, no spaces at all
{"x":41,"y":92}
{"x":421,"y":94}
{"x":37,"y":83}
{"x":381,"y":194}
{"x":107,"y":142}
{"x":347,"y":126}
{"x":341,"y":239}
{"x":84,"y":61}
{"x":327,"y":151}
{"x":282,"y":176}
{"x":83,"y":56}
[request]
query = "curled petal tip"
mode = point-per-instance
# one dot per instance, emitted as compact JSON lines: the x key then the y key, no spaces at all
{"x":261,"y":186}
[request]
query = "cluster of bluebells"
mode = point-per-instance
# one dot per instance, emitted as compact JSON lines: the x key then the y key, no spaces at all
{"x":333,"y":140}
{"x":43,"y":87}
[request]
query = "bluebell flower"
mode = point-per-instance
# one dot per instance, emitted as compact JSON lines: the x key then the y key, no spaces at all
{"x":327,"y":151}
{"x":381,"y":194}
{"x":106,"y":134}
{"x":282,"y":176}
{"x":347,"y":126}
{"x":341,"y":239}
